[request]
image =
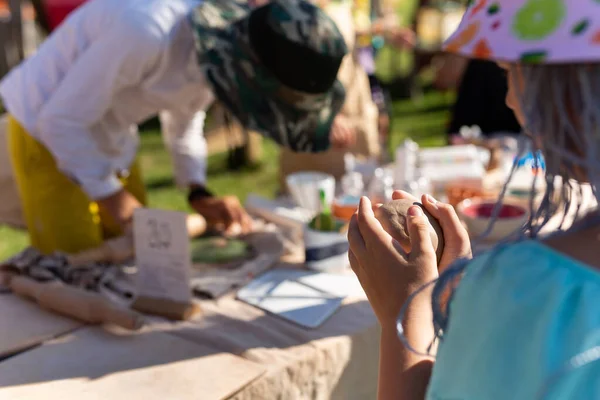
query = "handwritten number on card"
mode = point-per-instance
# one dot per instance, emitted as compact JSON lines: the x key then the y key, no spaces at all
{"x":159,"y":234}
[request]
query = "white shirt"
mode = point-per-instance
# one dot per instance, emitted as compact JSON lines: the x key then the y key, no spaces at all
{"x":110,"y":66}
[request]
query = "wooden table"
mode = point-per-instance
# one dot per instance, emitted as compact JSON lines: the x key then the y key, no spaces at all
{"x":232,"y":351}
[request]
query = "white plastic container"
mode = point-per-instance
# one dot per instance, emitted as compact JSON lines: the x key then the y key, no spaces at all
{"x":405,"y":163}
{"x":452,"y":165}
{"x":326,"y":251}
{"x":305,"y":187}
{"x":440,"y":176}
{"x":449,"y":155}
{"x":381,"y":187}
{"x":365,"y":167}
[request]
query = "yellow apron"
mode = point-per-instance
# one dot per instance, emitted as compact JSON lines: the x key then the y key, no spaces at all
{"x":58,"y":214}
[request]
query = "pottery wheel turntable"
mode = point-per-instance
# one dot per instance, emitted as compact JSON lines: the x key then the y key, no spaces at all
{"x":220,"y":251}
{"x":220,"y":264}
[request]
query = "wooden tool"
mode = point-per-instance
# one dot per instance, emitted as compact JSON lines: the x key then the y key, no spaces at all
{"x":121,"y":249}
{"x":166,"y":308}
{"x":76,"y":303}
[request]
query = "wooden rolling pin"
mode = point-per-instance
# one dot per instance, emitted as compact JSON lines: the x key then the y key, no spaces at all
{"x":76,"y":303}
{"x":121,"y":249}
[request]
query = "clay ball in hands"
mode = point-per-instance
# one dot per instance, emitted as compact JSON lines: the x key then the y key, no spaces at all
{"x":392,"y":217}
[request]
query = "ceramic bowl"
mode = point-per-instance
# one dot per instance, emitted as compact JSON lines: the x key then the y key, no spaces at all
{"x":326,"y":251}
{"x":476,"y":213}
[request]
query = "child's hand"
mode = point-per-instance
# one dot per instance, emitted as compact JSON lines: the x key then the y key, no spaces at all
{"x":387,"y":274}
{"x":456,"y":239}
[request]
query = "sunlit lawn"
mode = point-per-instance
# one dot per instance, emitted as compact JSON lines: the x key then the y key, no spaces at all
{"x":423,"y":121}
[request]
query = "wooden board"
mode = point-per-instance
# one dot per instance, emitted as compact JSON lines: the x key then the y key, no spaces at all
{"x":24,"y":324}
{"x":95,"y":364}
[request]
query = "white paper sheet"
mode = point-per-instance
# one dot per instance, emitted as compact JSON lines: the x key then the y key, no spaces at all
{"x":303,"y":297}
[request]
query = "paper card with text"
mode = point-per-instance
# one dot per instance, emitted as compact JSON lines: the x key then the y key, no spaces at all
{"x":162,"y":252}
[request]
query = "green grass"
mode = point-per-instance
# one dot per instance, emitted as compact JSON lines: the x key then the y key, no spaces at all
{"x":423,"y":121}
{"x":156,"y":165}
{"x":11,"y":241}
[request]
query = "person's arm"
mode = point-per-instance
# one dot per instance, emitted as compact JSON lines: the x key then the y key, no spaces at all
{"x":183,"y":136}
{"x":120,"y":58}
{"x":404,"y":375}
{"x":365,"y":121}
{"x":121,"y":206}
{"x":389,"y":276}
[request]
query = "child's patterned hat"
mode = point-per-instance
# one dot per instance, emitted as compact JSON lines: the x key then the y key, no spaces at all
{"x":529,"y":31}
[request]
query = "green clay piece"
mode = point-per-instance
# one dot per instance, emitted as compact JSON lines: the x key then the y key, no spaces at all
{"x":218,"y":250}
{"x":493,"y":9}
{"x":580,"y":27}
{"x":538,"y":19}
{"x":534,"y":57}
{"x":325,"y":223}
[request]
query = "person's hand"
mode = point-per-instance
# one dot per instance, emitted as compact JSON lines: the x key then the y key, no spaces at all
{"x":457,"y":140}
{"x":387,"y":273}
{"x":224,"y":213}
{"x":402,"y":38}
{"x":119,"y":208}
{"x":342,"y":133}
{"x":456,"y":239}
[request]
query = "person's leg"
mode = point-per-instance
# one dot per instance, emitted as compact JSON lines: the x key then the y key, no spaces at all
{"x":134,"y":184}
{"x":57,"y":212}
{"x":381,"y":99}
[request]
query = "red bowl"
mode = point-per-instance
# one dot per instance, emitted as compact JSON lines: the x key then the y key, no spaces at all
{"x":477,"y":214}
{"x":485,"y":210}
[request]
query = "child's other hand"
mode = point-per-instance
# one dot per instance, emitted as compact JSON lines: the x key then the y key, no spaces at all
{"x":387,"y":274}
{"x":456,"y":239}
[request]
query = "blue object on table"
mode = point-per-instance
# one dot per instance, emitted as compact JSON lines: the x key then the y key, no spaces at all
{"x":533,"y":161}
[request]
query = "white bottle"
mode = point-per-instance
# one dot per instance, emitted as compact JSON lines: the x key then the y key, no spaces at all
{"x":381,"y":186}
{"x":405,"y":170}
